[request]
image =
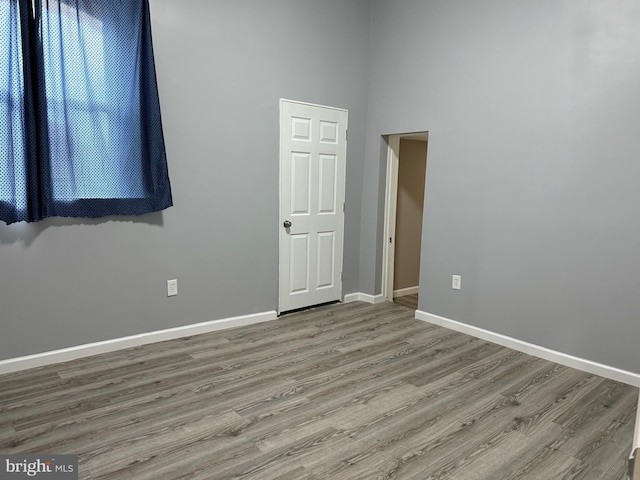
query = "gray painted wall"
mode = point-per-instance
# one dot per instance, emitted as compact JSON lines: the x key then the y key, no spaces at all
{"x":222,"y":67}
{"x":533,"y":110}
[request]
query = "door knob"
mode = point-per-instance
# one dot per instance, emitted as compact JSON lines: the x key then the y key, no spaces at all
{"x":287,"y":224}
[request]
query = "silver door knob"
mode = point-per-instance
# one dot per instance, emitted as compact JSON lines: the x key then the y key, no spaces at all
{"x":287,"y":224}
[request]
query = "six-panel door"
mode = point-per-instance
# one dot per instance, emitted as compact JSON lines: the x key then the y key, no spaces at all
{"x":312,"y":181}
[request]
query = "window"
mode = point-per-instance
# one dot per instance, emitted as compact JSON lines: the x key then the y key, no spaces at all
{"x":12,"y":127}
{"x":98,"y":148}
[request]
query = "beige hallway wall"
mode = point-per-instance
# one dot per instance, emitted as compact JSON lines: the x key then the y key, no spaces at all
{"x":411,"y":182}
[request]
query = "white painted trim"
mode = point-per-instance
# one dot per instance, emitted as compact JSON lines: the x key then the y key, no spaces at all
{"x":535,"y":350}
{"x":390,"y":211}
{"x":636,"y":437}
{"x":406,"y":291}
{"x":313,"y":104}
{"x":634,"y":456}
{"x":351,"y":297}
{"x":81,"y":351}
{"x":364,"y":297}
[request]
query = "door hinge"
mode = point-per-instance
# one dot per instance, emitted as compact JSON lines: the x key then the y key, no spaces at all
{"x":344,"y":207}
{"x":346,"y":135}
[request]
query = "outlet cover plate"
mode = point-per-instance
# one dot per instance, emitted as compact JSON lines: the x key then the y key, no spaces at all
{"x":172,"y":288}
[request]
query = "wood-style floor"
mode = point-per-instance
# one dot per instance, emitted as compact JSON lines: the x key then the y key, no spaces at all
{"x":410,"y":301}
{"x":340,"y":392}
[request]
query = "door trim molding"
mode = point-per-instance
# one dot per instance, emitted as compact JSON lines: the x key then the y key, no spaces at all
{"x":636,"y":438}
{"x":391,"y":208}
{"x":312,"y":104}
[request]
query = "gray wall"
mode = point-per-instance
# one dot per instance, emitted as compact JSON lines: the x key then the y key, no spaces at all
{"x":410,"y":199}
{"x":533,"y":110}
{"x":222,"y":67}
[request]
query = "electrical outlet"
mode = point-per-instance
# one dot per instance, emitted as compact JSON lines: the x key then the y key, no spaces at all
{"x":456,"y":282}
{"x":172,"y":287}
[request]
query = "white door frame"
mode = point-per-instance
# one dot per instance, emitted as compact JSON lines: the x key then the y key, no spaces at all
{"x":635,"y":446}
{"x":390,"y":210}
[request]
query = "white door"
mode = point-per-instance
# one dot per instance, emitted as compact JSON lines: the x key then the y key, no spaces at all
{"x":313,"y":153}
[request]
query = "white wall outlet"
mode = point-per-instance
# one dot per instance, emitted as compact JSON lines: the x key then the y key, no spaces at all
{"x":456,"y":282}
{"x":172,"y":287}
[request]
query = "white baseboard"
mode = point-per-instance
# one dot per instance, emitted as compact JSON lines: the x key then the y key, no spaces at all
{"x":636,"y":437}
{"x":535,"y":350}
{"x":406,"y":291}
{"x":81,"y":351}
{"x":363,"y":297}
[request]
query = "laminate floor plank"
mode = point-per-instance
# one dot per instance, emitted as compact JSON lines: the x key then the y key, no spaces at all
{"x":341,"y":339}
{"x":237,"y":349}
{"x":424,"y":418}
{"x":331,"y":317}
{"x":339,"y":392}
{"x":591,"y":431}
{"x":128,"y":450}
{"x":262,"y":428}
{"x":72,"y":434}
{"x":300,"y":473}
{"x":409,"y":301}
{"x":618,"y":425}
{"x":452,"y":363}
{"x":234,"y":385}
{"x":598,"y":402}
{"x":463,"y":465}
{"x":331,"y":411}
{"x":7,"y":433}
{"x":553,"y":401}
{"x":349,"y":416}
{"x":483,"y":380}
{"x":143,"y":413}
{"x":105,"y":395}
{"x":394,"y":448}
{"x":21,"y":379}
{"x":545,"y":463}
{"x":447,"y":450}
{"x":496,"y":456}
{"x":150,"y":354}
{"x":273,"y":462}
{"x":126,"y":369}
{"x":107,"y":379}
{"x":194,"y":460}
{"x":421,"y":356}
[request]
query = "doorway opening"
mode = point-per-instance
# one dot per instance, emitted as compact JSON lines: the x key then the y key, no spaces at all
{"x":404,"y":204}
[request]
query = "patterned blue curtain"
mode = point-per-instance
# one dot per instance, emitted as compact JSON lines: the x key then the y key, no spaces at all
{"x":80,"y":124}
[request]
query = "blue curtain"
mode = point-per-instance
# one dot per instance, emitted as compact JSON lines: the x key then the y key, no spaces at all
{"x":80,"y":124}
